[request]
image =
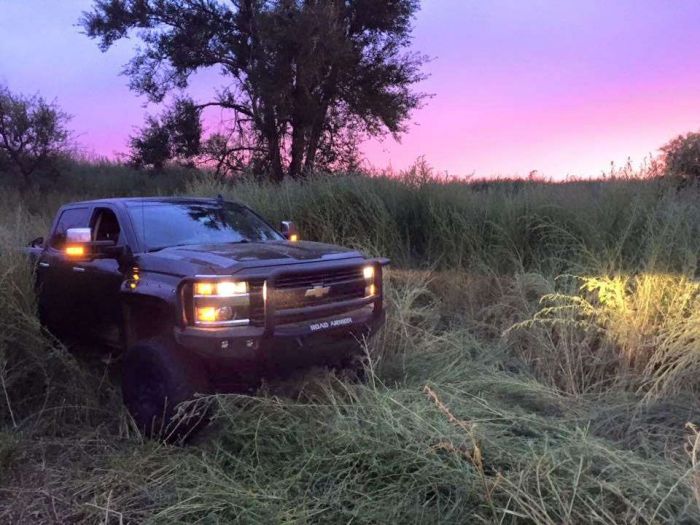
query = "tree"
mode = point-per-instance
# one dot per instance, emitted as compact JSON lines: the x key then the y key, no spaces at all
{"x":304,"y":79}
{"x":681,"y":157}
{"x":151,"y":147}
{"x":33,"y":134}
{"x":176,"y":135}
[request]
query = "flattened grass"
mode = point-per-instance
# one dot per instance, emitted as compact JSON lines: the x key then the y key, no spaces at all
{"x":499,"y":392}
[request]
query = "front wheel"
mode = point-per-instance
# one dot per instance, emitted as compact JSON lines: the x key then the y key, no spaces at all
{"x":157,"y":376}
{"x":355,"y":365}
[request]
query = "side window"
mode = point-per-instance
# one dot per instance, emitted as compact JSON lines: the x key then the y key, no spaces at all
{"x":71,"y":218}
{"x":105,"y":226}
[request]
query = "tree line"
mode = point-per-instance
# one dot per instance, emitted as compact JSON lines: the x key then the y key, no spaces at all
{"x":304,"y":82}
{"x":35,"y":137}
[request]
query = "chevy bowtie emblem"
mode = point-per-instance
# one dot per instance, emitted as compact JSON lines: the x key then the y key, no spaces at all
{"x":318,"y":291}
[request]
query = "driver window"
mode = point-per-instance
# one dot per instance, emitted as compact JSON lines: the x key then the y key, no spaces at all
{"x":70,"y":218}
{"x":105,"y":226}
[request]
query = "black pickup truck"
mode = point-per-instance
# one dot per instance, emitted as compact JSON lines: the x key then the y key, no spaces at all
{"x":201,"y":295}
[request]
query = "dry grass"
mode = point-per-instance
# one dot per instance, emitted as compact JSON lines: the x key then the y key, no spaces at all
{"x":640,"y":332}
{"x":502,"y":389}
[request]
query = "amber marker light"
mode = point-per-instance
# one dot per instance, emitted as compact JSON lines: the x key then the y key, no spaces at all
{"x":204,"y":288}
{"x":206,"y":314}
{"x":294,"y":237}
{"x":135,"y":278}
{"x":75,"y":251}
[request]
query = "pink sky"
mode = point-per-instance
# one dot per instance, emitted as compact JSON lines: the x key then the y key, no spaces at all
{"x":558,"y":87}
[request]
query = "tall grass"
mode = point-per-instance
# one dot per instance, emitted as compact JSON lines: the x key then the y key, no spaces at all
{"x":538,"y":365}
{"x":507,"y":227}
{"x":640,"y":331}
{"x":619,"y":224}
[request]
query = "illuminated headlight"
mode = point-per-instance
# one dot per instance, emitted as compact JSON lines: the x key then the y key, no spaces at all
{"x":221,"y":303}
{"x":368,"y":274}
{"x":214,"y":314}
{"x":220,"y":289}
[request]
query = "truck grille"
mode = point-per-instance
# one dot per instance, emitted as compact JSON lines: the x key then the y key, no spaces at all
{"x":256,"y":314}
{"x":307,"y":289}
{"x":324,"y":277}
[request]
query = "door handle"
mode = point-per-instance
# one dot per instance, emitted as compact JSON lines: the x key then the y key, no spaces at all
{"x":78,"y":269}
{"x":44,"y":264}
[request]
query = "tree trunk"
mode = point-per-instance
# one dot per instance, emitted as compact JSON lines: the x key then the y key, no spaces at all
{"x":272,"y":136}
{"x":314,"y":141}
{"x":26,"y":180}
{"x":298,"y":145}
{"x":275,"y":159}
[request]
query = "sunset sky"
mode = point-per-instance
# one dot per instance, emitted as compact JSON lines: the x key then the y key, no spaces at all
{"x":562,"y":87}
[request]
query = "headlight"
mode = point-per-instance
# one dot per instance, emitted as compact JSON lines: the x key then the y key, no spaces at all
{"x":371,"y":288}
{"x":221,"y":303}
{"x":220,"y":289}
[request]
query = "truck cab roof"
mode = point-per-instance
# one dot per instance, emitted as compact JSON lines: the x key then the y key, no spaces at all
{"x":135,"y":201}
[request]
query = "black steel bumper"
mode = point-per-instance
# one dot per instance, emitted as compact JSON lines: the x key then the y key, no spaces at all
{"x":327,"y":335}
{"x":238,"y":358}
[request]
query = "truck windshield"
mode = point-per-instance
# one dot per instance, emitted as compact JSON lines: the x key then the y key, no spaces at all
{"x":167,"y":224}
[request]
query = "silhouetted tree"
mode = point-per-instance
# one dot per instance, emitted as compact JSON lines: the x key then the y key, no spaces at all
{"x":33,"y":134}
{"x":681,"y":157}
{"x":304,"y":79}
{"x":175,"y":136}
{"x":151,"y":147}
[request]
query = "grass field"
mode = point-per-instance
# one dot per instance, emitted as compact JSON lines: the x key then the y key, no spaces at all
{"x":540,"y":364}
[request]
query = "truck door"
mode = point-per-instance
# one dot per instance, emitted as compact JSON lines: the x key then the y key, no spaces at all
{"x":100,"y":280}
{"x":59,"y":305}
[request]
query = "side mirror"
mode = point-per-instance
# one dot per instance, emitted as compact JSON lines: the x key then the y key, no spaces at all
{"x":37,"y":243}
{"x":289,"y":230}
{"x":79,"y":246}
{"x":78,"y":235}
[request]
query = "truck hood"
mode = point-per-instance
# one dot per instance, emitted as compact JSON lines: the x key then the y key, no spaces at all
{"x":223,"y":259}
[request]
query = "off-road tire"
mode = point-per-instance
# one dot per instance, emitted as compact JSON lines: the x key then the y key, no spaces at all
{"x":157,"y":376}
{"x":353,"y":366}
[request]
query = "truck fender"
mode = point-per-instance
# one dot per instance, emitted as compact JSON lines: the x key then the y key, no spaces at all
{"x":146,"y":317}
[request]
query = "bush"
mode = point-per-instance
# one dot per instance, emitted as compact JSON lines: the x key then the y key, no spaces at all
{"x":682,"y":157}
{"x":33,"y":134}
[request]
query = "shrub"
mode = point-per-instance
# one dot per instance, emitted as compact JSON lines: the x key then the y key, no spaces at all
{"x":682,"y":157}
{"x":33,"y":134}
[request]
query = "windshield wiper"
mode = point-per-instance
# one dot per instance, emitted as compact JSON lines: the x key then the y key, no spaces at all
{"x":159,"y":248}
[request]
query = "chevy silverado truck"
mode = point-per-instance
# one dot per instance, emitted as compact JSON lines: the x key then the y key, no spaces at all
{"x":201,"y":296}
